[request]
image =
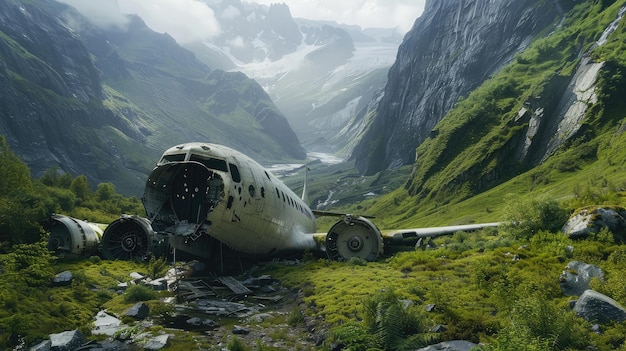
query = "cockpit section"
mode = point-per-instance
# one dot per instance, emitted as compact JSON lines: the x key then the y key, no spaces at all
{"x":179,"y":196}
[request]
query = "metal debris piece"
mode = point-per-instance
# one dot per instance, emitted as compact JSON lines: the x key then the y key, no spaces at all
{"x":190,"y":290}
{"x":234,"y":285}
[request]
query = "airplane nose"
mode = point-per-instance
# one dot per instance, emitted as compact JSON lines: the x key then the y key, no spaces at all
{"x":181,"y":192}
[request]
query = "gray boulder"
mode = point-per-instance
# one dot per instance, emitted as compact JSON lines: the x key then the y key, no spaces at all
{"x":156,"y":343}
{"x":576,"y":277}
{"x":139,"y":311}
{"x":239,"y":330}
{"x":66,"y":341}
{"x":453,"y":345}
{"x":62,"y":279}
{"x":106,"y":324}
{"x":42,"y":346}
{"x":599,"y":308}
{"x":591,"y":221}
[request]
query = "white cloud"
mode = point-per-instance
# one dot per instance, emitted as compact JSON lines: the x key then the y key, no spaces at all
{"x":185,"y":20}
{"x":193,"y":20}
{"x":102,"y":13}
{"x":231,"y":12}
{"x":237,"y":42}
{"x":365,"y":13}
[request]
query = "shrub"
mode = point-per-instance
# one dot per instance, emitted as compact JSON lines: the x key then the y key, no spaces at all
{"x":157,"y":267}
{"x":354,"y":336}
{"x":536,"y":324}
{"x":526,"y":218}
{"x":138,"y":293}
{"x":295,"y":317}
{"x":394,"y":326}
{"x":235,"y":344}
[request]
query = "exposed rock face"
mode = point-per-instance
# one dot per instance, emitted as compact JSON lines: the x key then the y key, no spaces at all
{"x":451,"y":49}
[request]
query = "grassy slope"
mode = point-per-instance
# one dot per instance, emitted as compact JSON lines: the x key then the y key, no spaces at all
{"x":435,"y":197}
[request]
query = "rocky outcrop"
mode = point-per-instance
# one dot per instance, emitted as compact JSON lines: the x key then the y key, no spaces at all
{"x":590,"y":221}
{"x":451,"y":49}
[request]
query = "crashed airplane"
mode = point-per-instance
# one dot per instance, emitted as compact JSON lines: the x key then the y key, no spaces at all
{"x":201,"y":198}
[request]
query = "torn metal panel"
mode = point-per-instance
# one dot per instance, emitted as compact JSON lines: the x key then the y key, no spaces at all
{"x":234,"y":285}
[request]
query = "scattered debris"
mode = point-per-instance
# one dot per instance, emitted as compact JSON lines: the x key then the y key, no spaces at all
{"x":234,"y":285}
{"x":139,"y":311}
{"x":106,"y":324}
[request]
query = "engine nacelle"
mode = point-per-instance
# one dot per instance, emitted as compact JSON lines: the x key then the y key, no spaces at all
{"x":71,"y":235}
{"x":354,"y":237}
{"x":130,"y":238}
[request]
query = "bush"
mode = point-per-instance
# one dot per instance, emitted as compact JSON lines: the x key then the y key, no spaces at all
{"x":394,"y":326}
{"x":138,"y":293}
{"x":235,"y":344}
{"x":157,"y":267}
{"x":526,"y":218}
{"x":536,"y":324}
{"x":295,"y":317}
{"x":354,"y":336}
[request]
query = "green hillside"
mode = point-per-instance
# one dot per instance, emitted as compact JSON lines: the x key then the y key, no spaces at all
{"x":464,"y":173}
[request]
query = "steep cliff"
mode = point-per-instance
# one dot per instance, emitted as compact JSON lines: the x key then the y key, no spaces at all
{"x":451,"y":49}
{"x":105,"y":102}
{"x":557,"y":97}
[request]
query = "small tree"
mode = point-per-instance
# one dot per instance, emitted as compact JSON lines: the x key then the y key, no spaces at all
{"x":525,"y":218}
{"x":105,"y":191}
{"x":14,"y":174}
{"x":80,"y":187}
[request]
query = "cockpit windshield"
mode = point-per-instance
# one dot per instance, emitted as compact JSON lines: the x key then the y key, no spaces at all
{"x":172,"y":158}
{"x":210,"y":162}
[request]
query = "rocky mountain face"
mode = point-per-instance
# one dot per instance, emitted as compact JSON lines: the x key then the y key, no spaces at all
{"x":451,"y":49}
{"x":320,"y":74}
{"x":105,"y":102}
{"x":470,"y":116}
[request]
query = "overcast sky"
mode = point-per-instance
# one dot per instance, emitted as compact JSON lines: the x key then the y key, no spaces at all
{"x":191,"y":20}
{"x":365,"y":13}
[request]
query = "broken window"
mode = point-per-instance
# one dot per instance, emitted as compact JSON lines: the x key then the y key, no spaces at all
{"x":234,"y":173}
{"x":173,"y":158}
{"x":210,"y":162}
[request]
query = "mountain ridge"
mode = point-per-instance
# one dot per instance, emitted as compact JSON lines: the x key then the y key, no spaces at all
{"x":106,"y":102}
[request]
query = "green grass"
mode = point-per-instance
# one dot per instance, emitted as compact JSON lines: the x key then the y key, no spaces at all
{"x":472,"y":279}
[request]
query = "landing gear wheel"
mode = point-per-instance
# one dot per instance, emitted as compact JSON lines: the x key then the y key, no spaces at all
{"x":354,"y":237}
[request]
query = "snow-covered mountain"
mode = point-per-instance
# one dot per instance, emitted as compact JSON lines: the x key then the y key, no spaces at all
{"x":320,"y":74}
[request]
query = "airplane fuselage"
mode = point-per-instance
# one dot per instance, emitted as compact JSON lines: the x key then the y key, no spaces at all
{"x":200,"y":189}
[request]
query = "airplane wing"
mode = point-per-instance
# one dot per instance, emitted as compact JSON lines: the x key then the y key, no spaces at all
{"x":406,"y":237}
{"x":357,"y":236}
